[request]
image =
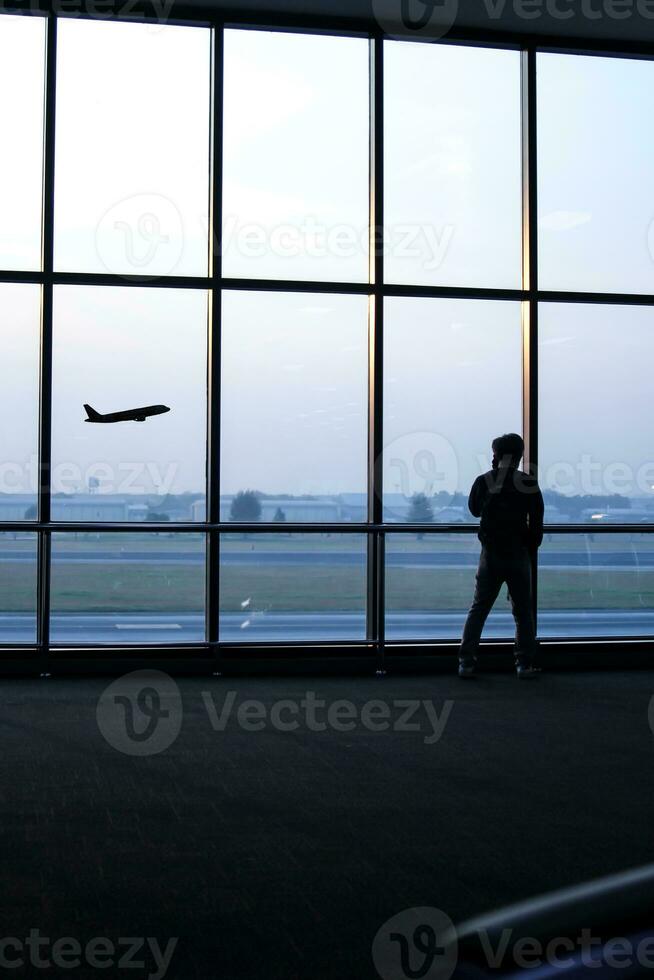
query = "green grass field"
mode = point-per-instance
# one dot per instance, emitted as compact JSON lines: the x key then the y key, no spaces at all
{"x":137,"y":585}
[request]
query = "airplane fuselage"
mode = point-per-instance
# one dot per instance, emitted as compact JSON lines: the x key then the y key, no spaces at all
{"x":132,"y":415}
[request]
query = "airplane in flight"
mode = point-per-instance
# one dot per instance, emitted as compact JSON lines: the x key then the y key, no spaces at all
{"x":132,"y":415}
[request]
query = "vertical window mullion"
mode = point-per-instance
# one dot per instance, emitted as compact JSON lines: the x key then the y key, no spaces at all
{"x":215,"y":321}
{"x":530,"y":272}
{"x":375,"y":606}
{"x":45,"y":402}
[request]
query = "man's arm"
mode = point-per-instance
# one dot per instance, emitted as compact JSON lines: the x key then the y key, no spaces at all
{"x":476,"y":498}
{"x":536,"y":514}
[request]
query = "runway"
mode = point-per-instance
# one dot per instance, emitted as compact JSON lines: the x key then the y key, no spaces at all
{"x":162,"y":628}
{"x":450,"y":559}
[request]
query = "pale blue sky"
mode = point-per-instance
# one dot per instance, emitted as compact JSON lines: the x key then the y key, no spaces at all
{"x":132,"y":196}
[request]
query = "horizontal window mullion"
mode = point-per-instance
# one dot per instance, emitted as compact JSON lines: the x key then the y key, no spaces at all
{"x":134,"y":527}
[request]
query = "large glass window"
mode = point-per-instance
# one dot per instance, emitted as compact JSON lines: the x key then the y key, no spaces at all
{"x":595,"y":162}
{"x":430,"y":582}
{"x":453,"y":208}
{"x":110,"y":382}
{"x":292,"y":587}
{"x":22,"y":71}
{"x":20,"y":315}
{"x":296,"y":157}
{"x":452,"y":382}
{"x":132,"y":157}
{"x":18,"y":587}
{"x":128,"y":588}
{"x":596,"y":585}
{"x":596,"y":457}
{"x":118,"y":349}
{"x":294,"y":401}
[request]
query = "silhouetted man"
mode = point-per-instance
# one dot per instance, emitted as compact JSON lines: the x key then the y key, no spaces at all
{"x":510,"y":505}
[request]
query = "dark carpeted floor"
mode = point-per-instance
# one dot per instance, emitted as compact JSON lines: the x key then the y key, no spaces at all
{"x":279,"y":854}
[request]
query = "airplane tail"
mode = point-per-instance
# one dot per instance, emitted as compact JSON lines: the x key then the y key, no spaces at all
{"x":93,"y":416}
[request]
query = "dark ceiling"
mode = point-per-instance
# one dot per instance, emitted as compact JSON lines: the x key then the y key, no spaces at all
{"x":600,"y":20}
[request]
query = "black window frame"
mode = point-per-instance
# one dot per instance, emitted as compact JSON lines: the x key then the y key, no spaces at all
{"x":375,"y":650}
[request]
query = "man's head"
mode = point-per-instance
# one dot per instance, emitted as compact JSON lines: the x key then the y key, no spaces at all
{"x":507,"y":450}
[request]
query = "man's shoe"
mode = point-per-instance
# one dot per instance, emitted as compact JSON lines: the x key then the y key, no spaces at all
{"x":524,"y":671}
{"x":467,"y":670}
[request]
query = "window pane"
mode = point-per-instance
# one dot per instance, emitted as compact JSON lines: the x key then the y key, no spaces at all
{"x":595,"y":162}
{"x":594,"y":585}
{"x":132,"y":154}
{"x":22,"y":81}
{"x":596,"y":455}
{"x":117,"y":349}
{"x":20,"y":313}
{"x":17,"y":588}
{"x":296,"y":157}
{"x":452,"y":382}
{"x":453,"y":171}
{"x":292,"y":587}
{"x":294,"y":401}
{"x":430,"y":582}
{"x":127,"y":588}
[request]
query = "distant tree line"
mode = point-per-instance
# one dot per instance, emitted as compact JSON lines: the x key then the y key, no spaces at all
{"x":573,"y":506}
{"x":245,"y":507}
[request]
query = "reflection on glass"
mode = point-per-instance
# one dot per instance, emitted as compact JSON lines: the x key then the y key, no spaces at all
{"x":453,"y":204}
{"x":430,"y":582}
{"x":18,"y":587}
{"x":119,"y":348}
{"x":132,"y":151}
{"x":596,"y":453}
{"x":20,"y":313}
{"x":128,"y":588}
{"x":596,"y":228}
{"x":296,"y":156}
{"x":22,"y":67}
{"x":294,"y":403}
{"x":292,"y":587}
{"x":596,"y":585}
{"x":452,"y":383}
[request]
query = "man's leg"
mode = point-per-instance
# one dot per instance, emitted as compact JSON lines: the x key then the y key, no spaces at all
{"x":518,"y":580}
{"x":487,"y":587}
